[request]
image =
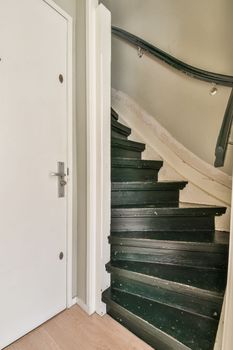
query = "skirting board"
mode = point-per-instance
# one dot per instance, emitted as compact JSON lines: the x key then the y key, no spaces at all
{"x":80,"y":303}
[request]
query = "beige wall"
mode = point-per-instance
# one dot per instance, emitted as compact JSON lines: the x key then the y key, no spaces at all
{"x":197,"y":32}
{"x":76,"y":9}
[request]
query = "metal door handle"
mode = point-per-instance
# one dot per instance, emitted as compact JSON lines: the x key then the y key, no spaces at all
{"x":57,"y":174}
{"x":61,"y":178}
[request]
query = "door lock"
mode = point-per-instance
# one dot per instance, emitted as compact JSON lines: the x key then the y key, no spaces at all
{"x":60,"y":178}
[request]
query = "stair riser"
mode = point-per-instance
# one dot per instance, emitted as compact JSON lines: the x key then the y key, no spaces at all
{"x":125,"y":153}
{"x":165,"y":256}
{"x":189,"y":236}
{"x":133,"y":174}
{"x":190,"y":303}
{"x":144,"y":198}
{"x":153,"y":244}
{"x":119,"y":130}
{"x":116,"y":133}
{"x":162,"y":223}
{"x":114,"y":115}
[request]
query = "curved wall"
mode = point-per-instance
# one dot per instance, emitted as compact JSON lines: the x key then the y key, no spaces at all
{"x":197,"y":32}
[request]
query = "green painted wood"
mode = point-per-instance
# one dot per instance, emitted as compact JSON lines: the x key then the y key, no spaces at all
{"x":224,"y":134}
{"x":126,"y":148}
{"x":183,"y":211}
{"x":152,"y":335}
{"x":114,"y":114}
{"x":119,"y":130}
{"x":200,"y":247}
{"x":163,"y":223}
{"x":192,"y":299}
{"x":194,"y":331}
{"x":168,"y":264}
{"x":178,"y":235}
{"x":213,"y":281}
{"x":168,"y":219}
{"x":143,"y":194}
{"x":149,"y":186}
{"x":193,"y":304}
{"x":166,"y":256}
{"x":134,"y":170}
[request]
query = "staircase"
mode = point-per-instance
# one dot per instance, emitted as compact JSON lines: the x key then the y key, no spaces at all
{"x":168,"y":264}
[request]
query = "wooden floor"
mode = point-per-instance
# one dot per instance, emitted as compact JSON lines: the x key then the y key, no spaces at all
{"x":74,"y":330}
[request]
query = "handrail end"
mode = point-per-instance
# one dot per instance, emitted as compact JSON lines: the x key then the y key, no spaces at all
{"x":219,"y":157}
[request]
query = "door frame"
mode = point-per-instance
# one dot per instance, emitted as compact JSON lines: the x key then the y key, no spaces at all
{"x":98,"y":102}
{"x":70,"y":152}
{"x":227,"y":318}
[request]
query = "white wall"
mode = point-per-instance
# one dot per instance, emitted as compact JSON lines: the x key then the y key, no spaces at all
{"x":197,"y":32}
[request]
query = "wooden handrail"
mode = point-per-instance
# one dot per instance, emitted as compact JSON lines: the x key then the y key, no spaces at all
{"x":224,"y":135}
{"x":191,"y":71}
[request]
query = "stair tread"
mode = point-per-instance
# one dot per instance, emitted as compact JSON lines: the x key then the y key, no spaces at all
{"x":136,"y":163}
{"x":153,"y":336}
{"x":184,"y":209}
{"x":211,"y":280}
{"x":190,"y":299}
{"x":192,"y":330}
{"x":148,"y":185}
{"x":128,"y":144}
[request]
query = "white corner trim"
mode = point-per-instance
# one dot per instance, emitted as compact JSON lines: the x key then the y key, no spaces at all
{"x":74,"y":301}
{"x":103,"y":146}
{"x":228,"y":317}
{"x":83,"y":306}
{"x":91,"y":123}
{"x":219,"y":337}
{"x":204,"y":176}
{"x":98,"y":62}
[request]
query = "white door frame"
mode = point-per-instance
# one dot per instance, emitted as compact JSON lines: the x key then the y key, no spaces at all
{"x":91,"y":6}
{"x":227,"y":335}
{"x":98,"y":91}
{"x":70,"y":150}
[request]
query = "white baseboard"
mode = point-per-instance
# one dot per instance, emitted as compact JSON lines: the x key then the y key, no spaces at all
{"x":83,"y":306}
{"x":74,"y":301}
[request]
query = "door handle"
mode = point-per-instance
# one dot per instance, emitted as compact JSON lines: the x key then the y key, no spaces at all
{"x":61,"y":178}
{"x":57,"y":174}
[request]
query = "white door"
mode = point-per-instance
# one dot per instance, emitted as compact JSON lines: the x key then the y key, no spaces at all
{"x":33,"y":139}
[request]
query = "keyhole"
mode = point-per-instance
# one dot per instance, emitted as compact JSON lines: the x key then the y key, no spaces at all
{"x":61,"y":256}
{"x":61,"y":79}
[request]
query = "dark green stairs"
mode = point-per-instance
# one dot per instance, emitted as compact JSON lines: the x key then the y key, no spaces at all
{"x":168,"y":264}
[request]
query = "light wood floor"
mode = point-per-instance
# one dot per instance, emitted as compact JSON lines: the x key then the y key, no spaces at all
{"x":74,"y":330}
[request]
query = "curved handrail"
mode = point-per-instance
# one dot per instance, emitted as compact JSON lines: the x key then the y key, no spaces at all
{"x":211,"y":77}
{"x":191,"y":71}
